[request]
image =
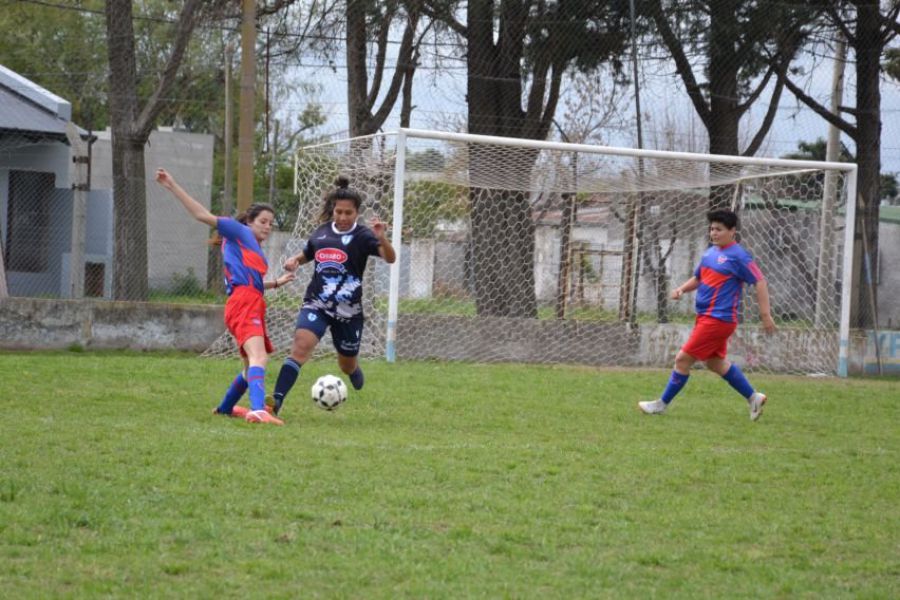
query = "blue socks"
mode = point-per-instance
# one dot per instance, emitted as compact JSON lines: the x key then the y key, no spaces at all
{"x":735,"y":377}
{"x":256,"y":380}
{"x":233,"y":395}
{"x":357,"y":379}
{"x":676,"y":382}
{"x":290,"y":370}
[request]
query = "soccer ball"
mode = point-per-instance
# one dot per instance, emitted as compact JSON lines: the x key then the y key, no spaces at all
{"x":329,"y":392}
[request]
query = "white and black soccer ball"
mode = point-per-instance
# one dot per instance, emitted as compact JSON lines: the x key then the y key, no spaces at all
{"x":329,"y":392}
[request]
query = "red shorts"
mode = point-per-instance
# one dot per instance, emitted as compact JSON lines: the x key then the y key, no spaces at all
{"x":709,"y":338}
{"x":245,"y":316}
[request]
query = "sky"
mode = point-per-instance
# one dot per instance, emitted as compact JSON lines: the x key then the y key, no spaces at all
{"x":439,"y":95}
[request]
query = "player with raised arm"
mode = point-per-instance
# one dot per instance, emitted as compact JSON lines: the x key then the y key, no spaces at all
{"x":245,"y":267}
{"x":719,"y":279}
{"x":339,"y":248}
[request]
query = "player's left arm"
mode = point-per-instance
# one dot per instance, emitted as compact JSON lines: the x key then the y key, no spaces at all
{"x":385,"y":248}
{"x":765,"y":310}
{"x":756,"y":277}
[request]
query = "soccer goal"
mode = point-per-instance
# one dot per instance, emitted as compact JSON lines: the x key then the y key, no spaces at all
{"x":529,"y":251}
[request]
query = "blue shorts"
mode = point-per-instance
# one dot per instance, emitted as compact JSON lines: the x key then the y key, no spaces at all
{"x":346,"y":335}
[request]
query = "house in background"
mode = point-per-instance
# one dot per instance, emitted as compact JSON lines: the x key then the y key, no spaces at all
{"x":36,"y":199}
{"x":36,"y":196}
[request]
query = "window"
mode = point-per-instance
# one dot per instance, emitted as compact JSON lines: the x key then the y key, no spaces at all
{"x":28,"y":221}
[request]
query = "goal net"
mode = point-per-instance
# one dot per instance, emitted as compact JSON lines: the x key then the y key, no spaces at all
{"x":525,"y":251}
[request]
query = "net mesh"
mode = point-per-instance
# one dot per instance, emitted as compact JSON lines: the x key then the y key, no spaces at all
{"x":556,"y":255}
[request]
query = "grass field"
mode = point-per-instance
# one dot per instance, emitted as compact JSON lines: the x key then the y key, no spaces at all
{"x":442,"y":481}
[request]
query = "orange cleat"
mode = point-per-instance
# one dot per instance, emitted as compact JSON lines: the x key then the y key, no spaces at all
{"x":262,"y":416}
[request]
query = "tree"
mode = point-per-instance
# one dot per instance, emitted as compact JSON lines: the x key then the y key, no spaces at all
{"x":517,"y":53}
{"x":368,"y":22}
{"x":892,"y":63}
{"x":741,"y":52}
{"x":868,"y":31}
{"x":57,"y":49}
{"x":131,"y":123}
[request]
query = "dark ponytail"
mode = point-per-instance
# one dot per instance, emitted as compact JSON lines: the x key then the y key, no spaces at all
{"x":341,"y":191}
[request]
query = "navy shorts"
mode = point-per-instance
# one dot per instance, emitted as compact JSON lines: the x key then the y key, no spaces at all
{"x":346,"y":335}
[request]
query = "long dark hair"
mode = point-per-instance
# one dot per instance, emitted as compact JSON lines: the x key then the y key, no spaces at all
{"x":341,"y":191}
{"x":246,"y":217}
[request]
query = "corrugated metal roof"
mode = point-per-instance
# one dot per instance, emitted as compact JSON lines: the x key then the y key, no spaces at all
{"x":22,"y":116}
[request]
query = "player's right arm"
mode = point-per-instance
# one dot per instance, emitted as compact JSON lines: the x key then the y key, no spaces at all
{"x":196,"y":210}
{"x":688,"y":286}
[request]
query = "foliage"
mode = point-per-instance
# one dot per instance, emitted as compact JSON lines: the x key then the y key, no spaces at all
{"x":892,"y":63}
{"x":61,"y":50}
{"x":427,"y":203}
{"x":516,"y":481}
{"x":817,"y":151}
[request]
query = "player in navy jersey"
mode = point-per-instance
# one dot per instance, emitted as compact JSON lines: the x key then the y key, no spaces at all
{"x":340,"y":248}
{"x":719,"y":280}
{"x":245,"y":267}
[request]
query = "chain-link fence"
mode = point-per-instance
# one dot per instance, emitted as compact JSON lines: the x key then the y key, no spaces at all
{"x":73,"y":229}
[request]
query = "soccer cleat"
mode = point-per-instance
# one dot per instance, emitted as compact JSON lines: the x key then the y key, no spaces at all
{"x":757,"y":401}
{"x":653,"y":407}
{"x":262,"y":416}
{"x":238,"y":411}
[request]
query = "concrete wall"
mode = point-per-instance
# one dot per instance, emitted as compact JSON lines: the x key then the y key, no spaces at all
{"x":889,"y":275}
{"x":37,"y":324}
{"x":176,"y":242}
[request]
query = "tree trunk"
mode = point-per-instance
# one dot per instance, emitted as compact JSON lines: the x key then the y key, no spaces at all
{"x":357,"y":70}
{"x":868,"y":152}
{"x":130,"y":128}
{"x":129,"y":194}
{"x":502,"y":226}
{"x":130,"y":210}
{"x":503,"y":253}
{"x":723,"y":94}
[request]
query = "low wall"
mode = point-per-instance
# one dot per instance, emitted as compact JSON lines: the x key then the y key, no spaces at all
{"x":43,"y":324}
{"x":39,"y":324}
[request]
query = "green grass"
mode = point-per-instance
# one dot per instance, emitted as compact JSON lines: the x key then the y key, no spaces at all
{"x":442,"y":480}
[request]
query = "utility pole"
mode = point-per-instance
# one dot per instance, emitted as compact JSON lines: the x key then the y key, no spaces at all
{"x":247,"y":105}
{"x":824,"y":292}
{"x":227,"y":199}
{"x":80,"y":187}
{"x":631,"y":256}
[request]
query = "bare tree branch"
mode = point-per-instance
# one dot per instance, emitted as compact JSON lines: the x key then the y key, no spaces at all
{"x":186,"y":22}
{"x":820,"y":109}
{"x":763,"y":130}
{"x":682,"y":63}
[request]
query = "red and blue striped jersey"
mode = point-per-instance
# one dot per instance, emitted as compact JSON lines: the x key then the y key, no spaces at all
{"x":722,"y":272}
{"x":243,"y":259}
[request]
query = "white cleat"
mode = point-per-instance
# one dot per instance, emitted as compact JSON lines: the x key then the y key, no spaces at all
{"x":757,"y":401}
{"x":653,"y":407}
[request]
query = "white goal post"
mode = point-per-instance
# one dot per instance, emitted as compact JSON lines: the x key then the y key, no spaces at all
{"x":530,"y":251}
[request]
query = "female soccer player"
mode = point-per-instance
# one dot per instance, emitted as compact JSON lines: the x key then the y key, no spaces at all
{"x":719,"y":280}
{"x":340,"y":248}
{"x":245,"y":310}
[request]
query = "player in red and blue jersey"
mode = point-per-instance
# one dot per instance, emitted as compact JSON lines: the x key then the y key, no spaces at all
{"x":719,"y":280}
{"x":340,"y":248}
{"x":245,"y":268}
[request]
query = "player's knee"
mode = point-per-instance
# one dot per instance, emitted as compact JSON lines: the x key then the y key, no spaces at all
{"x":683,"y":361}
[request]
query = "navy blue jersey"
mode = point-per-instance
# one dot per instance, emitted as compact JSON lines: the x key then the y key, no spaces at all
{"x":339,"y":264}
